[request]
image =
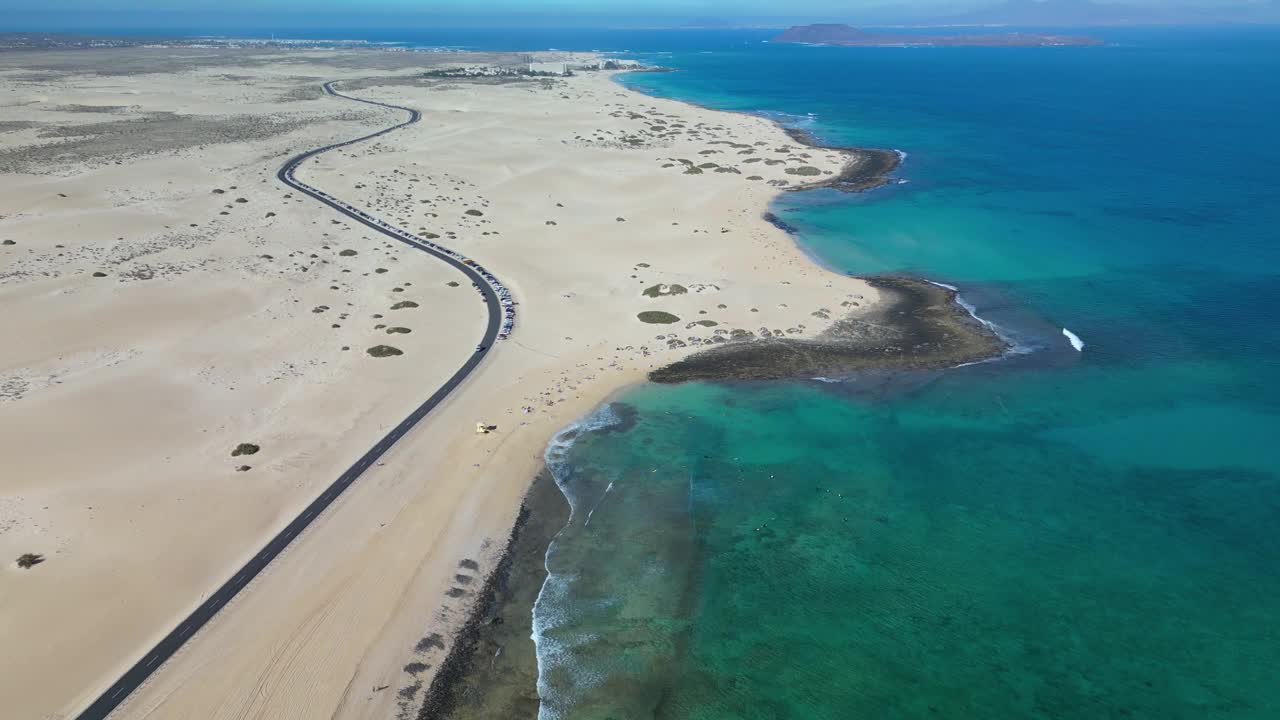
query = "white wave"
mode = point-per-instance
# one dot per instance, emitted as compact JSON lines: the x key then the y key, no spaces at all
{"x":597,"y":505}
{"x":557,"y":450}
{"x":1074,"y":339}
{"x":552,"y":609}
{"x":790,"y":120}
{"x":1015,"y":347}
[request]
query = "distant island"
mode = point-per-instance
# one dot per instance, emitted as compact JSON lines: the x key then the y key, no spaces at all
{"x":838,"y":34}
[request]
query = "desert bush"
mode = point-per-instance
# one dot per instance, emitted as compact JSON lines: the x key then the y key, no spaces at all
{"x":29,"y":560}
{"x":657,"y":317}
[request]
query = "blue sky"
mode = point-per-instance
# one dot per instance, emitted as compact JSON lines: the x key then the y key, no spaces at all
{"x":84,"y":15}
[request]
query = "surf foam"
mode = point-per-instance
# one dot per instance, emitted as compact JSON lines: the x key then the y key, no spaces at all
{"x":1012,"y":342}
{"x":551,"y":609}
{"x":1074,"y":339}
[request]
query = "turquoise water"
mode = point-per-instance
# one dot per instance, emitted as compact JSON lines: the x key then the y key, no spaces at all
{"x":1060,"y":535}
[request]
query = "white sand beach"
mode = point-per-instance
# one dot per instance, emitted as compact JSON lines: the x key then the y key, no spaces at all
{"x":166,"y":299}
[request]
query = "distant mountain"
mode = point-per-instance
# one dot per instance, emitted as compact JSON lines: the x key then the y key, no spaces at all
{"x":837,"y":34}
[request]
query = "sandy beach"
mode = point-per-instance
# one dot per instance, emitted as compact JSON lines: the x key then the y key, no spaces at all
{"x":167,"y":300}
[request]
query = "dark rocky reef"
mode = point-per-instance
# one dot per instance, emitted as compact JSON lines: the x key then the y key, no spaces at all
{"x":917,"y":326}
{"x":867,"y":167}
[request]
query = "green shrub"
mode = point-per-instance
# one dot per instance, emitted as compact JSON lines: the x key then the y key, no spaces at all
{"x":658,"y":291}
{"x":29,"y":560}
{"x":657,"y":317}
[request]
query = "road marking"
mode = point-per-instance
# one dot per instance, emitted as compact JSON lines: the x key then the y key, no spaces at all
{"x":307,"y":514}
{"x":117,"y":692}
{"x":185,"y":629}
{"x":151,"y":660}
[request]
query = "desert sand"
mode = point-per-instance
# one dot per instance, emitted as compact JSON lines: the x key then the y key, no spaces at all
{"x":165,"y":300}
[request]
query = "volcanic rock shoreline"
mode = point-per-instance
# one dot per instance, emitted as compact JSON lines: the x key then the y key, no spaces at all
{"x":867,"y":169}
{"x":917,"y":326}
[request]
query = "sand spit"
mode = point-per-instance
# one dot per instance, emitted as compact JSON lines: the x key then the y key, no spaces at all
{"x":917,"y":326}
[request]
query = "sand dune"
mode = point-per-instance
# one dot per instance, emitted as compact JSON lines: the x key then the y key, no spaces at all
{"x":156,"y":321}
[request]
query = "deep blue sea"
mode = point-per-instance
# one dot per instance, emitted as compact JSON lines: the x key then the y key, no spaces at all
{"x":1059,"y":535}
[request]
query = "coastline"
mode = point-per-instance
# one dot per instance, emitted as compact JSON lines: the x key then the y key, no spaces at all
{"x":350,"y":621}
{"x":867,"y":169}
{"x":932,"y":331}
{"x":915,"y":325}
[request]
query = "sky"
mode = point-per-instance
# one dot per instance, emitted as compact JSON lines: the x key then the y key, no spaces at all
{"x":85,"y":15}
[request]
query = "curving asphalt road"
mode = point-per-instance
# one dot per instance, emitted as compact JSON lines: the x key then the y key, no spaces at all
{"x":141,"y":670}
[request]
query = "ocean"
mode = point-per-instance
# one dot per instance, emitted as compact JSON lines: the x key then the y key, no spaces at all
{"x":1078,"y":530}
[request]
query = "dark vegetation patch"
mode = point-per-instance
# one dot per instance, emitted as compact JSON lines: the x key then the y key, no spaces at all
{"x":657,"y":317}
{"x":27,"y":561}
{"x":245,"y":449}
{"x":404,"y":304}
{"x":805,"y":170}
{"x":381,"y":351}
{"x":664,"y":290}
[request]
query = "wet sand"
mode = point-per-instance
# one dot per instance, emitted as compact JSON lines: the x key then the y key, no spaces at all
{"x":493,"y":671}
